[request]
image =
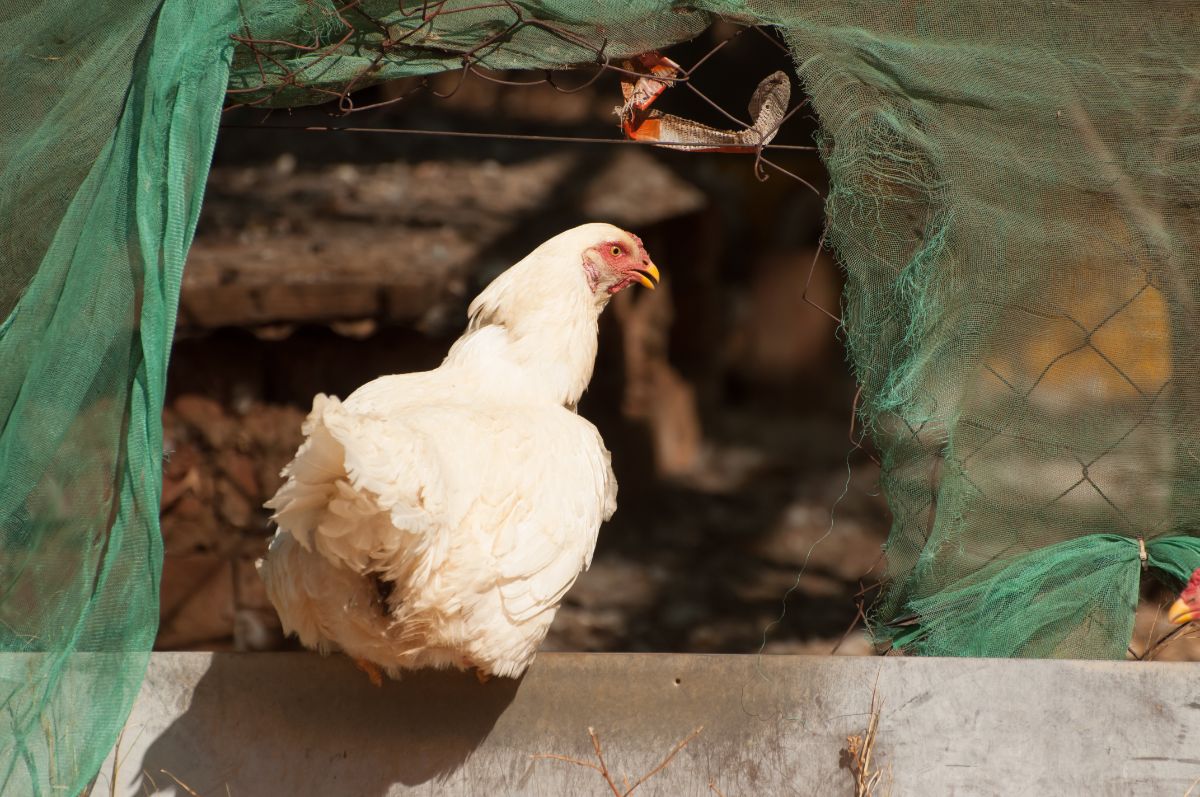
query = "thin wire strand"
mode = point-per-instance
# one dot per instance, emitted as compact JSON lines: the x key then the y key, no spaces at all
{"x":506,"y":137}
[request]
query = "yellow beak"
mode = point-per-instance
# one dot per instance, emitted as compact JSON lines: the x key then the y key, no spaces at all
{"x":1180,"y":613}
{"x":645,"y":275}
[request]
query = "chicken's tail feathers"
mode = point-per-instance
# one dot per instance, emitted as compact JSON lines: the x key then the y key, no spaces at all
{"x":356,"y":490}
{"x":310,"y":594}
{"x":312,"y":477}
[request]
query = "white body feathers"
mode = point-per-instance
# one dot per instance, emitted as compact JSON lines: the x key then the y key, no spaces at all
{"x":437,"y":519}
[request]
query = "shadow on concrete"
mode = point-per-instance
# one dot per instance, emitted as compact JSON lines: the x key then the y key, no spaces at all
{"x":301,"y":724}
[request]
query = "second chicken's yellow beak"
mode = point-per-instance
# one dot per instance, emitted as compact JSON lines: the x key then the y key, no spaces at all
{"x":1180,"y":613}
{"x":645,"y":275}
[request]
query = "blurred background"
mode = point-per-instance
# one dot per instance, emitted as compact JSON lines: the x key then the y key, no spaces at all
{"x":749,"y":511}
{"x":325,"y":259}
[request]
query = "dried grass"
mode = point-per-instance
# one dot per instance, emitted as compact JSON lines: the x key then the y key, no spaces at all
{"x":1155,"y":646}
{"x":602,"y":766}
{"x":182,"y":785}
{"x":858,"y":753}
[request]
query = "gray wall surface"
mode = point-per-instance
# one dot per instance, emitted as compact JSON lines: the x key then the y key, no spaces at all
{"x":298,"y":724}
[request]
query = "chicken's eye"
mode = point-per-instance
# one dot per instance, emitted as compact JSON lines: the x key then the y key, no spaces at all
{"x":616,"y":250}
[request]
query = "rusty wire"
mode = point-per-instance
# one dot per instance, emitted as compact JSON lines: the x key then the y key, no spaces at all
{"x":426,"y":12}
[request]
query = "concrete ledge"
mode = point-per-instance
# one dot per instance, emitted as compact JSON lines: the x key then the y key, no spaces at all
{"x":296,"y":724}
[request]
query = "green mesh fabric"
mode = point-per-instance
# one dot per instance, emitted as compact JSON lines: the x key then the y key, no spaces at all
{"x":1074,"y":599}
{"x":108,"y":122}
{"x":1014,"y":197}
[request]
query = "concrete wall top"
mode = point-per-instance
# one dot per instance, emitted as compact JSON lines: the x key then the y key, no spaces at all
{"x":298,"y":724}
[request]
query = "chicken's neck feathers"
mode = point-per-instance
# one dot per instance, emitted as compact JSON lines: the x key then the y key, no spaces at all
{"x":533,"y":331}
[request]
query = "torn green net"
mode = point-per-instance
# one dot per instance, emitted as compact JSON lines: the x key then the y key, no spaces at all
{"x":1013,"y":200}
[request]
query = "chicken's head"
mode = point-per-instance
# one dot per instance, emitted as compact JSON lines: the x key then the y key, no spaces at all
{"x":1187,"y":608}
{"x":617,"y":260}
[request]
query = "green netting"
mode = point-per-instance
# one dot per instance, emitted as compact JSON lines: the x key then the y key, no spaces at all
{"x":1014,"y":195}
{"x":1014,"y":191}
{"x":286,"y":57}
{"x":1073,"y":599}
{"x":106,"y":126}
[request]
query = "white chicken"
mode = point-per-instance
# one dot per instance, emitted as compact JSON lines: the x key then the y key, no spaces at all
{"x":436,"y":519}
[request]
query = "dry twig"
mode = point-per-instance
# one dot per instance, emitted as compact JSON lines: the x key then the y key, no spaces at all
{"x":859,"y":750}
{"x":1155,"y":647}
{"x":1174,"y":635}
{"x":602,"y":767}
{"x":182,"y":785}
{"x":116,"y":766}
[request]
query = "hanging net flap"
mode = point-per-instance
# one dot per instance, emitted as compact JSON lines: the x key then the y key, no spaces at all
{"x":108,"y":125}
{"x":1020,"y":606}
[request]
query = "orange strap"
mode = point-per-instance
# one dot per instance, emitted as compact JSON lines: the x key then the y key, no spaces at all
{"x":768,"y":106}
